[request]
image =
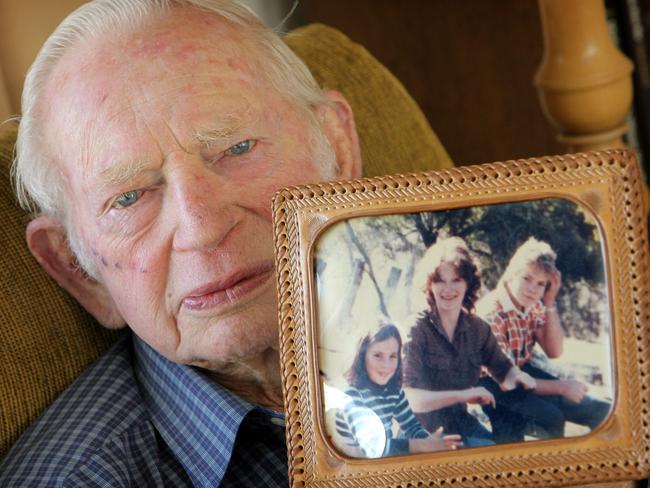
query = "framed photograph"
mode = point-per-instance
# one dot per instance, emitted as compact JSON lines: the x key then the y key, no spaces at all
{"x":479,"y":326}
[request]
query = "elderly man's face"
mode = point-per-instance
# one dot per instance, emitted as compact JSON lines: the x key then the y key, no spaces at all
{"x":174,"y":144}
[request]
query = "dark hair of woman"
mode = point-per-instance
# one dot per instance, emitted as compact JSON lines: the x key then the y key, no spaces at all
{"x":357,"y":375}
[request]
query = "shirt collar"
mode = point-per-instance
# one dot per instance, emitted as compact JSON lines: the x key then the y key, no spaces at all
{"x":508,"y":305}
{"x":461,"y":327}
{"x":197,"y":418}
{"x":504,"y":298}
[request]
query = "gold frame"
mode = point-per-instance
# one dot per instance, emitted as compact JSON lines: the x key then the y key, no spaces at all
{"x":607,"y":183}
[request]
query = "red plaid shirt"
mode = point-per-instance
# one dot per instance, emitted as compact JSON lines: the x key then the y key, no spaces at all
{"x":514,"y":329}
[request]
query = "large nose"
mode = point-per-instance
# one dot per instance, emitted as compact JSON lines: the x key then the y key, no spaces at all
{"x":204,"y":212}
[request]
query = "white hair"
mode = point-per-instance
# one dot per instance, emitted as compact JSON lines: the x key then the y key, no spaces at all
{"x":537,"y":253}
{"x":40,"y":186}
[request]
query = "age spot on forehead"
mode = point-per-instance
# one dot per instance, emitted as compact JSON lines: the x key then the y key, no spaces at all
{"x":185,"y":52}
{"x":240,"y":63}
{"x":216,"y":82}
{"x":210,"y":20}
{"x":235,"y":63}
{"x":149,"y":47}
{"x":188,"y":89}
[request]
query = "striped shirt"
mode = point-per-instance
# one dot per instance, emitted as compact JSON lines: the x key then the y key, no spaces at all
{"x":366,"y":422}
{"x":136,"y":419}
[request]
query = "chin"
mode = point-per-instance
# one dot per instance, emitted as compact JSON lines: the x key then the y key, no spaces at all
{"x":527,"y":302}
{"x":221,"y":358}
{"x":244,"y":333}
{"x":228,"y":342}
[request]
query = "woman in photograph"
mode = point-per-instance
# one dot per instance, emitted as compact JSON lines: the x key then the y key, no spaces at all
{"x":376,"y":399}
{"x":449,"y":345}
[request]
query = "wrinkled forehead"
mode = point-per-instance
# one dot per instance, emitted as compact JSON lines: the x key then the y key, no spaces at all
{"x":180,"y":43}
{"x":170,"y":31}
{"x":190,"y":38}
{"x":110,"y":80}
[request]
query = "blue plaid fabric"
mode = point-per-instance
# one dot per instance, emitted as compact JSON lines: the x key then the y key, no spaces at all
{"x":136,"y":419}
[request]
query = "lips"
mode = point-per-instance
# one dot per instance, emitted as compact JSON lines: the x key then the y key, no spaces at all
{"x":228,"y":290}
{"x":448,"y":298}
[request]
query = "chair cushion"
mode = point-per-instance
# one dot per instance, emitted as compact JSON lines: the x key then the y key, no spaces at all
{"x":394,"y":134}
{"x":46,"y":339}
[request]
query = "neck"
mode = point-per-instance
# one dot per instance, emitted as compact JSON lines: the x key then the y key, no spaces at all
{"x":256,"y":381}
{"x":512,"y":297}
{"x":371,"y":385}
{"x":449,"y":321}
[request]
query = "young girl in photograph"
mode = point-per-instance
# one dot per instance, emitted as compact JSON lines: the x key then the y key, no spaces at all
{"x":376,"y":399}
{"x":449,"y":345}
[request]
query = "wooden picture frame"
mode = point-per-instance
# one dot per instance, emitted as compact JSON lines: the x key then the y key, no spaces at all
{"x":598,"y":196}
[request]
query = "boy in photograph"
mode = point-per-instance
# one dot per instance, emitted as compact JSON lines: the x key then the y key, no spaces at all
{"x":522,"y":312}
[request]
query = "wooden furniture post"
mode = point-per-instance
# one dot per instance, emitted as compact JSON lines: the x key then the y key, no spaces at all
{"x":584,"y":82}
{"x":584,"y":85}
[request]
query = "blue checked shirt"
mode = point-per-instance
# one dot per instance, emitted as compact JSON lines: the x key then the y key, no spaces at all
{"x":136,"y":419}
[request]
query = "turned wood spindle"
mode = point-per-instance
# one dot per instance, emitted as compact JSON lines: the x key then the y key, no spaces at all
{"x":584,"y":82}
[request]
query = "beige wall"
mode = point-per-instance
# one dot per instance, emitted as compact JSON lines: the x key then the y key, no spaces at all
{"x":5,"y":107}
{"x":25,"y":24}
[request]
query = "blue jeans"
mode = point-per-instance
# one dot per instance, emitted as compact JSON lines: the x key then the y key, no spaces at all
{"x":479,"y":437}
{"x":519,"y":410}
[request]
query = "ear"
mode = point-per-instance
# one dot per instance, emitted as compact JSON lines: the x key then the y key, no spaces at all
{"x":338,"y":124}
{"x":46,"y":239}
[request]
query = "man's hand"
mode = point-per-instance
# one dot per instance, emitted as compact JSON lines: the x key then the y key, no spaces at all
{"x":554,"y":284}
{"x":551,"y":337}
{"x":478,"y":395}
{"x":435,"y":442}
{"x":573,"y":390}
{"x":517,"y":377}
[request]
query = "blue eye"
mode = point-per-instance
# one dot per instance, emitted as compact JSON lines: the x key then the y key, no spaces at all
{"x":127,"y":199}
{"x":240,"y":148}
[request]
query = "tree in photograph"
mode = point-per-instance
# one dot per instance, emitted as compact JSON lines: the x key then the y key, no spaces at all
{"x":493,"y":233}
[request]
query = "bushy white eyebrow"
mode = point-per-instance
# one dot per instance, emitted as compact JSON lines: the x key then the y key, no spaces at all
{"x":122,"y":173}
{"x":222,"y":130}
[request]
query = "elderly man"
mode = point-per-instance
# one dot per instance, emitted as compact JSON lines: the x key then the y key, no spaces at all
{"x":153,"y":136}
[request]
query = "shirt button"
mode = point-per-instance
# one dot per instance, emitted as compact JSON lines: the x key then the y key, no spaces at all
{"x":278,"y":421}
